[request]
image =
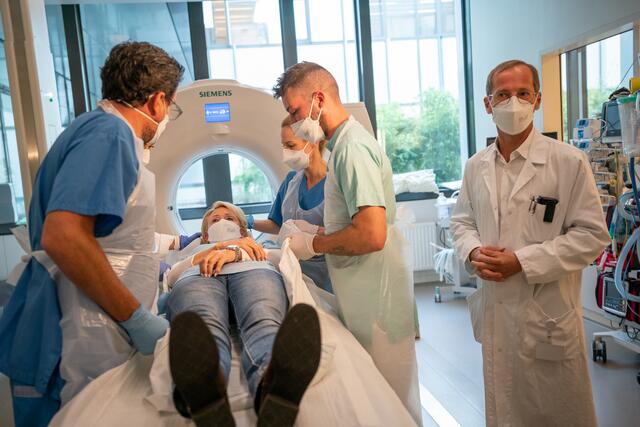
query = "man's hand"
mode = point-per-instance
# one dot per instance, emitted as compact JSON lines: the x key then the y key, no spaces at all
{"x":494,"y":264}
{"x":302,"y":245}
{"x":211,"y":262}
{"x":255,"y":251}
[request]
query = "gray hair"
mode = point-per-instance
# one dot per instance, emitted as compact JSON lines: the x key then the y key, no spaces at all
{"x":508,"y":65}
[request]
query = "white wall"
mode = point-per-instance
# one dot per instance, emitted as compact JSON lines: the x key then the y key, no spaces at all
{"x":524,"y":29}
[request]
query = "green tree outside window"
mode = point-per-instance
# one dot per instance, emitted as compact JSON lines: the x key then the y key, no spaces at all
{"x":429,"y":141}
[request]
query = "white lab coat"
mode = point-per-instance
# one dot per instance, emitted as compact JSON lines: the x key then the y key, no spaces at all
{"x":516,"y":320}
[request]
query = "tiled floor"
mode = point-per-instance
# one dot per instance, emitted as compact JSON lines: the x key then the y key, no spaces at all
{"x":450,"y":366}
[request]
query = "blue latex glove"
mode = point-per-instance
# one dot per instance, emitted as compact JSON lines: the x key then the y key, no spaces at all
{"x":185,"y":240}
{"x":250,"y":221}
{"x":162,"y":303}
{"x":163,"y":269}
{"x":145,"y":329}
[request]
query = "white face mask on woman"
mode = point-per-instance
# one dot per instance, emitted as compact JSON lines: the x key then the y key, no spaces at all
{"x":513,"y":116}
{"x":296,"y":159}
{"x":223,"y":230}
{"x":309,"y":129}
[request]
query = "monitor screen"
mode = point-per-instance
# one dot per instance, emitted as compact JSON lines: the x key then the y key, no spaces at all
{"x":611,"y":117}
{"x":217,"y":113}
{"x":611,"y":291}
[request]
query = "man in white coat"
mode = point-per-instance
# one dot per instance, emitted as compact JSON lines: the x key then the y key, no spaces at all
{"x":527,"y":221}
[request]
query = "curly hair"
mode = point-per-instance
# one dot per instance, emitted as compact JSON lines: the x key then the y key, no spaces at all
{"x":135,"y":70}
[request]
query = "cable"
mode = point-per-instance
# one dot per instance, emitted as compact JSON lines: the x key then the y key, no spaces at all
{"x":625,"y":75}
{"x":635,"y":332}
{"x":621,"y":208}
{"x":632,"y":310}
{"x":634,"y":186}
{"x":617,"y":275}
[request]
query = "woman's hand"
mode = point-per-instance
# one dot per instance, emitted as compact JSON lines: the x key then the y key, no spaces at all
{"x":255,"y":251}
{"x":212,"y":261}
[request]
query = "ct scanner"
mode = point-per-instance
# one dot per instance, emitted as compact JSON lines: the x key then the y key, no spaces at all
{"x":221,"y":116}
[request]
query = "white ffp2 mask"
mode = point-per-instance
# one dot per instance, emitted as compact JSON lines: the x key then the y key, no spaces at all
{"x":161,"y":125}
{"x":159,"y":130}
{"x":309,"y":129}
{"x":223,"y":230}
{"x":513,"y":117}
{"x":296,"y":159}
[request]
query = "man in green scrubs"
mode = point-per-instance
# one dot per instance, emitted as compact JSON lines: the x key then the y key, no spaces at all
{"x":367,"y":257}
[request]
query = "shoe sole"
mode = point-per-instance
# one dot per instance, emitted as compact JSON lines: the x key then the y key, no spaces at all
{"x":194,"y":362}
{"x":294,"y":363}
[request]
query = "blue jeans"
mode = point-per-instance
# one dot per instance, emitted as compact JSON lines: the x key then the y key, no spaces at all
{"x":259,"y":302}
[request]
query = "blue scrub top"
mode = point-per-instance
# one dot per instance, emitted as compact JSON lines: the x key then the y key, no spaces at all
{"x":307,"y":198}
{"x":90,"y":170}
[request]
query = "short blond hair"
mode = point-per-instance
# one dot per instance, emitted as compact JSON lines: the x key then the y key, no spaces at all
{"x":307,"y":75}
{"x":236,"y":211}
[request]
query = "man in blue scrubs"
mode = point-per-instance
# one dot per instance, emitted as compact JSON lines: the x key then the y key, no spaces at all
{"x":84,"y":302}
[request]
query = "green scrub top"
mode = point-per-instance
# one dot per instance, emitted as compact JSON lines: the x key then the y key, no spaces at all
{"x":374,"y":291}
{"x":363,"y":175}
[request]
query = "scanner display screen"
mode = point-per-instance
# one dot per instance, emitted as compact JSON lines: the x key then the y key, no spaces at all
{"x":217,"y":113}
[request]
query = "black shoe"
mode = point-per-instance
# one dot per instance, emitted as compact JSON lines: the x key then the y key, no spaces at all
{"x":200,"y":390}
{"x":294,"y":363}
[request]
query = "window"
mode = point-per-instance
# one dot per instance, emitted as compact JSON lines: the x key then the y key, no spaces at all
{"x":9,"y":160}
{"x":105,"y":25}
{"x":55,"y":26}
{"x":229,"y":176}
{"x":590,"y":73}
{"x":609,"y":66}
{"x":416,"y":79}
{"x":244,"y":41}
{"x":332,"y":46}
{"x":417,"y":71}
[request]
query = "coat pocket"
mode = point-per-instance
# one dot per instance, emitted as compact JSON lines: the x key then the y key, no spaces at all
{"x":536,"y":230}
{"x":475,"y":302}
{"x":551,"y":339}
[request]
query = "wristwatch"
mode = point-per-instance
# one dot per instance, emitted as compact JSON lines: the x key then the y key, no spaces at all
{"x":236,"y":249}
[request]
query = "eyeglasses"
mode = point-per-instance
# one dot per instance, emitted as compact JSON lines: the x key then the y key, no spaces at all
{"x":174,"y":111}
{"x":524,"y":96}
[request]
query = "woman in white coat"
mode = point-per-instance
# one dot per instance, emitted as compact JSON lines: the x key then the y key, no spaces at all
{"x":527,"y":221}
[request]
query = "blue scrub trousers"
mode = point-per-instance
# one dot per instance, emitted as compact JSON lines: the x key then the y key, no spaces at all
{"x":31,"y":408}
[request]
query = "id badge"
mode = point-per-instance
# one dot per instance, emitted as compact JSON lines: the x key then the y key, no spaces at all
{"x":548,"y":351}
